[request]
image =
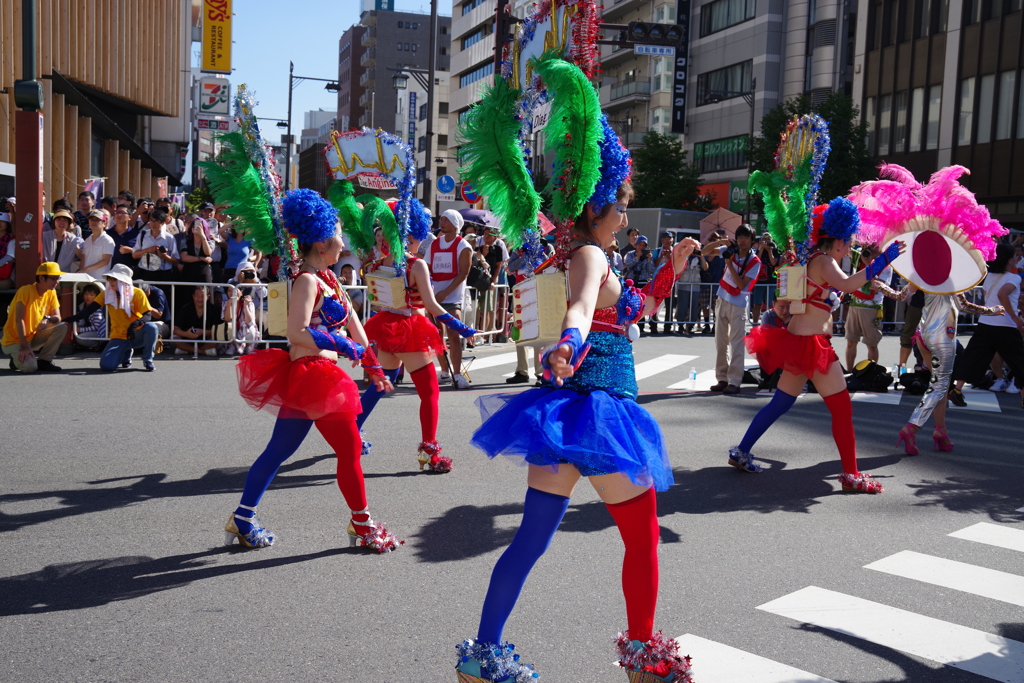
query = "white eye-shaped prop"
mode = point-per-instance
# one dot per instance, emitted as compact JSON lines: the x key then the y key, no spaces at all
{"x":939,"y":259}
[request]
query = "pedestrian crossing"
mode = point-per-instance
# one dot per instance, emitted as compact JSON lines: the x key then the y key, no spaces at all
{"x":986,"y":654}
{"x":677,"y":367}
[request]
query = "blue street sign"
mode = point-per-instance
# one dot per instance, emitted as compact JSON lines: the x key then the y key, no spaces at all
{"x":655,"y":50}
{"x":445,"y":184}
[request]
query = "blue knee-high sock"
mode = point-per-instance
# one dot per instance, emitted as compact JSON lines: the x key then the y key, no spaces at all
{"x":542,"y":513}
{"x":779,"y":405}
{"x":372,"y":395}
{"x":286,"y":439}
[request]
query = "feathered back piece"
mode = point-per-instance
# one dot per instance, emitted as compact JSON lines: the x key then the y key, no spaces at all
{"x":308,"y":217}
{"x":243,"y":178}
{"x":616,"y":166}
{"x":492,"y":150}
{"x":376,"y":212}
{"x":887,"y":206}
{"x":341,"y":195}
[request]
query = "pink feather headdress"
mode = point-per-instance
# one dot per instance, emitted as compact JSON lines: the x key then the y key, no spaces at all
{"x":887,"y":205}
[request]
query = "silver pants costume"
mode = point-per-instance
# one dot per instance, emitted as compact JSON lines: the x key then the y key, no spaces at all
{"x":938,"y":330}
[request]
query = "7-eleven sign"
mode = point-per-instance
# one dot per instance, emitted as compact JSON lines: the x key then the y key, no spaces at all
{"x":215,"y":96}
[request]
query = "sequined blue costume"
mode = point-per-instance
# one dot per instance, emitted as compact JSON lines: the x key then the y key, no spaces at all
{"x":593,"y":421}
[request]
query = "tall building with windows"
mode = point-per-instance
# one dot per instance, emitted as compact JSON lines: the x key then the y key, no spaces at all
{"x":383,"y":39}
{"x":940,"y":83}
{"x":472,"y":43}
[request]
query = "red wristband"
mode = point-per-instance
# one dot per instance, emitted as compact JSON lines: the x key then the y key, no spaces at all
{"x":660,"y":287}
{"x":370,"y":363}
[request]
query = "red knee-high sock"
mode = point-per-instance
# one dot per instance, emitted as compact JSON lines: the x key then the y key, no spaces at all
{"x":342,"y":435}
{"x":637,"y":520}
{"x":842,"y":429}
{"x":425,"y":380}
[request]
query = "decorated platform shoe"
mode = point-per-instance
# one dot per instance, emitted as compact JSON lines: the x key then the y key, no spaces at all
{"x":365,"y":450}
{"x":490,"y":663}
{"x":369,"y":534}
{"x":859,"y":483}
{"x":429,"y":456}
{"x":247,"y":530}
{"x":907,"y":437}
{"x":656,"y":661}
{"x":743,"y":461}
{"x":941,"y":440}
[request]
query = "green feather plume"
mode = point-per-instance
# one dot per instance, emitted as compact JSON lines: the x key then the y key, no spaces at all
{"x":236,"y":183}
{"x":376,"y":211}
{"x":489,"y":144}
{"x":341,"y":195}
{"x":784,"y":206}
{"x":573,"y":134}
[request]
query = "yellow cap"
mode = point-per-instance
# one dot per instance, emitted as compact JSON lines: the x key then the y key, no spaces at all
{"x":49,"y":268}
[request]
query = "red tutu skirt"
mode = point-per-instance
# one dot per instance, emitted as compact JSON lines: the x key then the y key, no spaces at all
{"x":312,"y":385}
{"x":776,"y":347}
{"x":396,"y":333}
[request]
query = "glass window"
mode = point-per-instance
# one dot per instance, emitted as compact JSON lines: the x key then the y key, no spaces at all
{"x":724,"y":84}
{"x":721,"y":155}
{"x":931,"y":140}
{"x":475,"y":75}
{"x":1004,"y":112}
{"x":899,"y":133}
{"x":470,"y":6}
{"x":473,"y":38}
{"x":401,"y":24}
{"x":399,"y":47}
{"x":869,"y":118}
{"x":966,"y":111}
{"x":884,"y":117}
{"x":916,"y":119}
{"x":721,"y":14}
{"x":665,"y":14}
{"x":986,"y":100}
{"x":662,"y":73}
{"x":415,"y":46}
{"x":972,"y":11}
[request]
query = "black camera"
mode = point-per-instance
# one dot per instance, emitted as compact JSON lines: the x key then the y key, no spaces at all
{"x":248,"y":275}
{"x":162,"y":249}
{"x":729,"y":253}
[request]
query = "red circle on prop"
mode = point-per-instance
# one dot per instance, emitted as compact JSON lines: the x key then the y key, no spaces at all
{"x":932,"y":257}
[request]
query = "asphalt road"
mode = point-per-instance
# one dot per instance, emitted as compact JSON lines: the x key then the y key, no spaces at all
{"x":115,"y":489}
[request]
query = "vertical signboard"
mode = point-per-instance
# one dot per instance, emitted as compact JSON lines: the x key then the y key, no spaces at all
{"x":216,"y":36}
{"x":215,"y":96}
{"x":412,"y":120}
{"x":680,"y":69}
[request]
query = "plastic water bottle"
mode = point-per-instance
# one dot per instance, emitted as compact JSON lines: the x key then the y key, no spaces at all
{"x":693,"y":378}
{"x":896,"y":371}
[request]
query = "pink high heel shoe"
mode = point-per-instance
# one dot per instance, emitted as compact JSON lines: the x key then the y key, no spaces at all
{"x":908,"y":439}
{"x":941,"y":439}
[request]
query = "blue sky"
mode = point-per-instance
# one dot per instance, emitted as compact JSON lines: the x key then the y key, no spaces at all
{"x":269,"y":33}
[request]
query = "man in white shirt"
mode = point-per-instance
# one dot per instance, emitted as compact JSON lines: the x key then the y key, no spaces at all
{"x":449,"y":258}
{"x":98,"y":248}
{"x":741,"y":269}
{"x":155,"y":249}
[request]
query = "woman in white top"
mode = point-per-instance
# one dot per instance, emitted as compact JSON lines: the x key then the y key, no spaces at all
{"x":1002,"y":334}
{"x":98,"y":248}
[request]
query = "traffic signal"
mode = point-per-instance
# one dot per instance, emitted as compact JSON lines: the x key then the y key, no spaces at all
{"x":654,"y":34}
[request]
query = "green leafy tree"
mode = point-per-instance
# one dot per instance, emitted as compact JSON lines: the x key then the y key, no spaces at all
{"x":848,"y":163}
{"x":197,"y":197}
{"x":663,"y":179}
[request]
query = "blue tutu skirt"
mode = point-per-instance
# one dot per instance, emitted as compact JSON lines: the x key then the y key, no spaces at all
{"x":596,"y":432}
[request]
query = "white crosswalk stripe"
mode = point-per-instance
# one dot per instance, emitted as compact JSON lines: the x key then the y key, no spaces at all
{"x":650,"y":368}
{"x":979,"y":400}
{"x":993,"y":534}
{"x":960,"y":576}
{"x":985,"y":654}
{"x":717,"y":663}
{"x":492,"y":361}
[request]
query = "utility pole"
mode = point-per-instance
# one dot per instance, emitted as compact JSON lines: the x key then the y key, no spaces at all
{"x":288,"y":137}
{"x":428,"y":172}
{"x":28,"y":131}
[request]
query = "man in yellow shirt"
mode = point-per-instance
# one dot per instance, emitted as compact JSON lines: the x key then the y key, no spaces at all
{"x":128,"y":313}
{"x":34,"y":331}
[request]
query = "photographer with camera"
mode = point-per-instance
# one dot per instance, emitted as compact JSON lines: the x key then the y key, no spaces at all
{"x":639,"y":267}
{"x":741,"y":270}
{"x":156,"y":250}
{"x":764,"y":290}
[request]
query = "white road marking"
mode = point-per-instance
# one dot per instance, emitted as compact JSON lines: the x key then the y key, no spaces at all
{"x":717,"y":663}
{"x":890,"y":398}
{"x":652,"y":367}
{"x":993,"y":534}
{"x":704,"y":382}
{"x":979,"y":400}
{"x":492,"y":361}
{"x":985,"y":654}
{"x":960,"y":576}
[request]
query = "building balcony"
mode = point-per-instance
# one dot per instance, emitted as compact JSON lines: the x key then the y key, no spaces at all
{"x":614,"y":9}
{"x":613,"y":54}
{"x":368,"y":19}
{"x":621,"y":94}
{"x":369,"y":57}
{"x":369,"y":38}
{"x":365,"y":98}
{"x":366,"y":80}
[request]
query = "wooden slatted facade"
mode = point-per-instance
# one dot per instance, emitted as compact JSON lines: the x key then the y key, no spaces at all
{"x":125,"y":54}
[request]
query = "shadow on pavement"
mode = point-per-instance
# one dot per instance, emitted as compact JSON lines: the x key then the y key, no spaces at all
{"x":71,"y":502}
{"x":915,"y":671}
{"x":998,"y":498}
{"x":81,"y":585}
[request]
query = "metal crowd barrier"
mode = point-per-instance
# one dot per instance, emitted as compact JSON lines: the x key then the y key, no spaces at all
{"x":500,"y":312}
{"x":231,"y":331}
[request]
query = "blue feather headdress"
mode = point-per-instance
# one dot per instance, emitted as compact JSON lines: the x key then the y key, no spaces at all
{"x":616,"y":165}
{"x":308,"y":217}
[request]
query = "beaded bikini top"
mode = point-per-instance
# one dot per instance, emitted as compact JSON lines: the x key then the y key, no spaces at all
{"x":627,"y":309}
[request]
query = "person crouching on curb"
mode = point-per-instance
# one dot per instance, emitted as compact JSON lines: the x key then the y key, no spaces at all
{"x":130,"y":325}
{"x":34,"y":330}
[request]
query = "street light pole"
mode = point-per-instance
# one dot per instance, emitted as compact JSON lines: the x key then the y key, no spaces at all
{"x":428,"y":200}
{"x":288,"y":154}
